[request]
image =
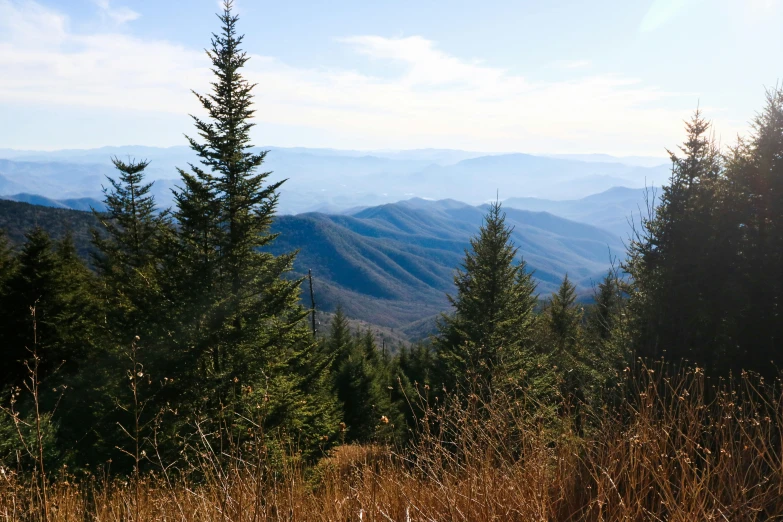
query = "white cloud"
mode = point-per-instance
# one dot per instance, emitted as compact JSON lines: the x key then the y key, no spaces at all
{"x":437,"y":101}
{"x":118,"y":15}
{"x":572,"y":64}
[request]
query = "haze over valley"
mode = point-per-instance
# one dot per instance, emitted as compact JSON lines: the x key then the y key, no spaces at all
{"x":384,"y":230}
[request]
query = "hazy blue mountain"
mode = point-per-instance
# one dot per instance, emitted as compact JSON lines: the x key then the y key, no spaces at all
{"x":35,"y":199}
{"x":639,"y":161}
{"x":84,"y":204}
{"x":9,"y":187}
{"x":334,"y":180}
{"x":532,"y":176}
{"x":54,"y":180}
{"x":612,"y":210}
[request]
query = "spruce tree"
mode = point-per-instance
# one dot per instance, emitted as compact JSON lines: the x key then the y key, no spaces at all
{"x":755,"y":235}
{"x":676,"y":261}
{"x":487,"y":338}
{"x":50,"y":307}
{"x":563,"y":320}
{"x":602,"y":317}
{"x":242,"y":323}
{"x":605,"y":326}
{"x":34,"y":286}
{"x":360,"y":387}
{"x":129,"y":246}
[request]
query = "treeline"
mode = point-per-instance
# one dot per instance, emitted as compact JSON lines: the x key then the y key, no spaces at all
{"x":183,"y":330}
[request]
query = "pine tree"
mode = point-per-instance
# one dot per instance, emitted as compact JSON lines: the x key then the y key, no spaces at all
{"x":359,"y":379}
{"x":339,"y":343}
{"x":563,"y":320}
{"x":129,"y":247}
{"x":605,"y":327}
{"x":602,"y":318}
{"x":755,"y":234}
{"x":49,"y":305}
{"x":676,"y":263}
{"x":487,"y":339}
{"x":415,"y":371}
{"x":242,"y":322}
{"x":35,"y":285}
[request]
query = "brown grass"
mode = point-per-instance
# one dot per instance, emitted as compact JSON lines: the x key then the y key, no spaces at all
{"x":673,"y":449}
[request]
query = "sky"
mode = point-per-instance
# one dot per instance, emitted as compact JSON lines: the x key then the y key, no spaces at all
{"x":562,"y":76}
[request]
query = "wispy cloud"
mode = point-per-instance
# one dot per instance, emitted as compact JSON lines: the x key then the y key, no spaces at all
{"x":572,"y":64}
{"x":436,"y":99}
{"x":118,"y":15}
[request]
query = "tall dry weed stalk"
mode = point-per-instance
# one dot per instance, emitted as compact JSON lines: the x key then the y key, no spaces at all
{"x":32,"y":443}
{"x":674,"y":446}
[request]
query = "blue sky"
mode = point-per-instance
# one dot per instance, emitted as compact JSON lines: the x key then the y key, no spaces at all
{"x":498,"y":75}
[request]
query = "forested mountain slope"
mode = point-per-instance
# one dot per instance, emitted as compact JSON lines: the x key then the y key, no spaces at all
{"x":390,"y":265}
{"x":393,"y":264}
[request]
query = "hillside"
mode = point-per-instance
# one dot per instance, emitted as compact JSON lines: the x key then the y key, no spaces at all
{"x":390,"y":265}
{"x":18,"y":218}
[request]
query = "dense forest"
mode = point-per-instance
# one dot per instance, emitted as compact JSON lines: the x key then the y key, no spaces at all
{"x":183,"y":332}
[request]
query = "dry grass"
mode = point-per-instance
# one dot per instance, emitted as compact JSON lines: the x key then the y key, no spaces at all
{"x":674,"y":449}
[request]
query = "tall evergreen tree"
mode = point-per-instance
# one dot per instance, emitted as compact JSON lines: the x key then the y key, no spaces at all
{"x":755,"y":235}
{"x":676,"y":263}
{"x":488,"y":336}
{"x":242,"y":322}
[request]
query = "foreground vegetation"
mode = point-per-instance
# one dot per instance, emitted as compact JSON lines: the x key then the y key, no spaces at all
{"x":675,"y":447}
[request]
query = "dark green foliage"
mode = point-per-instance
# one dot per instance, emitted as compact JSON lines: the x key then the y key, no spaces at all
{"x":415,"y":376}
{"x":672,"y":262}
{"x":129,"y":247}
{"x":563,"y":321}
{"x":754,"y":216}
{"x":18,"y":219}
{"x":241,"y":324}
{"x":361,"y":377}
{"x":48,"y":302}
{"x":705,"y":266}
{"x":50,"y":312}
{"x":602,"y":318}
{"x":488,"y":338}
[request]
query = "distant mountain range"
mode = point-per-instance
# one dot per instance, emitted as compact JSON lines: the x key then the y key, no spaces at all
{"x":333,"y":180}
{"x":614,"y":210}
{"x":85,"y":204}
{"x":393,"y":264}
